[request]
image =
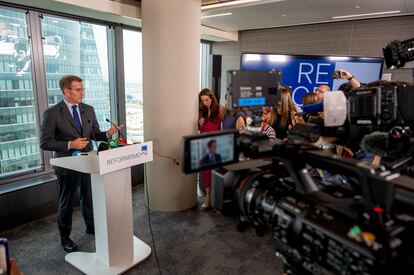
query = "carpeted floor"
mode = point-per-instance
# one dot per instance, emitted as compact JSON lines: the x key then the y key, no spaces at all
{"x":189,"y":242}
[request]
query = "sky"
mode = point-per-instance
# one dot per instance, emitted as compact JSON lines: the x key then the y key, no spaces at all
{"x":132,"y":53}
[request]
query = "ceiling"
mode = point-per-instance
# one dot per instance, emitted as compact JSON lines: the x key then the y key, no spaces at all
{"x":279,"y":13}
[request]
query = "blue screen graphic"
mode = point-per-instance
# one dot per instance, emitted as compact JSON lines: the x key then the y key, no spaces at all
{"x":252,"y":101}
{"x":305,"y":73}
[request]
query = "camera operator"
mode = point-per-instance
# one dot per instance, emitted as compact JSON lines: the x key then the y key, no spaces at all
{"x":321,"y":90}
{"x":345,"y":88}
{"x":352,"y":80}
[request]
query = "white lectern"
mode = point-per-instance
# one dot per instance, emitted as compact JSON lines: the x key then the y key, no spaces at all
{"x":117,"y":249}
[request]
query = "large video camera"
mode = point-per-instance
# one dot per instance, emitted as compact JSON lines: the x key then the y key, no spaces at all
{"x":382,"y":105}
{"x":363,"y":227}
{"x":397,"y":53}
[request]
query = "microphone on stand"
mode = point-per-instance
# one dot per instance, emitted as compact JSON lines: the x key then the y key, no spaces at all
{"x":93,"y":136}
{"x":116,"y":126}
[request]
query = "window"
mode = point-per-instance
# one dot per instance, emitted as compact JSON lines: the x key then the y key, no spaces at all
{"x":17,"y":111}
{"x":132,"y":41}
{"x":67,"y":46}
{"x":205,"y":49}
{"x":79,"y":48}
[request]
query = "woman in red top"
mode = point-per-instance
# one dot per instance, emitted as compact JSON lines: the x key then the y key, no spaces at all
{"x":209,"y":120}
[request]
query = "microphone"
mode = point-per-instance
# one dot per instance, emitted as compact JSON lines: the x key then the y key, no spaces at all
{"x":116,"y":126}
{"x":313,"y":108}
{"x":93,"y":136}
{"x":334,"y":106}
{"x":376,"y":143}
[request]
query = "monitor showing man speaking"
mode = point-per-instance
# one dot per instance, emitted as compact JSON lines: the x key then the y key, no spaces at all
{"x":209,"y":150}
{"x":212,"y":157}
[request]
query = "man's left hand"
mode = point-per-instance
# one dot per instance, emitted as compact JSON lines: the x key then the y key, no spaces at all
{"x":114,"y":129}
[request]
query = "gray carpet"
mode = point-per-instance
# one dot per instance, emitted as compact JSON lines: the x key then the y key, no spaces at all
{"x":189,"y":242}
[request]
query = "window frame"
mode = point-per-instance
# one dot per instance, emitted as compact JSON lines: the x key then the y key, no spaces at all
{"x":34,"y":18}
{"x":39,"y":82}
{"x":31,"y":29}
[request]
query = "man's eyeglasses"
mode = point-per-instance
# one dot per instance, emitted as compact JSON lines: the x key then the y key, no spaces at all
{"x":78,"y":90}
{"x":319,"y":91}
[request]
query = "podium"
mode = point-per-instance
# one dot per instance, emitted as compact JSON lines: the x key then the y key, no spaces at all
{"x":117,"y":249}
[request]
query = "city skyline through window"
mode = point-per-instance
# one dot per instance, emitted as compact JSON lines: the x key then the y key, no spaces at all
{"x":69,"y":46}
{"x":19,"y":141}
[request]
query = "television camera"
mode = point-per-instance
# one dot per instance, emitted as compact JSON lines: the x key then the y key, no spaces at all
{"x":362,"y":225}
{"x":359,"y":228}
{"x":398,"y":53}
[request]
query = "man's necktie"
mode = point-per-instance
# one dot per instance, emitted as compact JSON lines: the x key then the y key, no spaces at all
{"x":76,"y":118}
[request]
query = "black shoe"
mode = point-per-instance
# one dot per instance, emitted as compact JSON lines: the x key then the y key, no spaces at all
{"x":69,"y":246}
{"x":90,"y":231}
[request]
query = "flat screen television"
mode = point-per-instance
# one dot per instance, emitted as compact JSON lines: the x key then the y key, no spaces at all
{"x":304,"y":73}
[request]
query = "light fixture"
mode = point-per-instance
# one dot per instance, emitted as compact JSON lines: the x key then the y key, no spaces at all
{"x":338,"y":58}
{"x":365,"y":14}
{"x":277,"y":58}
{"x":238,"y":3}
{"x":252,"y":57}
{"x":216,"y":15}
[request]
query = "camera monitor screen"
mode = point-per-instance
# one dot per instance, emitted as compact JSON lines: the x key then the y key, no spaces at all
{"x":210,"y":150}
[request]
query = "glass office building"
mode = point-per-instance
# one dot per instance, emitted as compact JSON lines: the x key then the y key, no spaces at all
{"x":69,"y":47}
{"x":19,"y":145}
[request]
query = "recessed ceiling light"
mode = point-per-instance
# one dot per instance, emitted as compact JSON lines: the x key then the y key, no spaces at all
{"x":357,"y":7}
{"x":239,"y":3}
{"x":283,"y":15}
{"x":365,"y":14}
{"x":216,"y":15}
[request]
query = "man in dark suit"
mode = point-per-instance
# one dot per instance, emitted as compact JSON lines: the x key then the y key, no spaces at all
{"x":212,"y":157}
{"x":70,"y":126}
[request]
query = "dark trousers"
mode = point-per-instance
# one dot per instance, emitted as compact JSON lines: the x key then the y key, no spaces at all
{"x":68,"y":188}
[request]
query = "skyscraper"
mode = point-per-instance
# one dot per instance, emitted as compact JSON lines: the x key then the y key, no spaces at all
{"x":69,"y":47}
{"x":19,"y":146}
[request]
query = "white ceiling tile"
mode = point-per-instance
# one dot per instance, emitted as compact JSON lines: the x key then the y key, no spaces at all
{"x":299,"y":12}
